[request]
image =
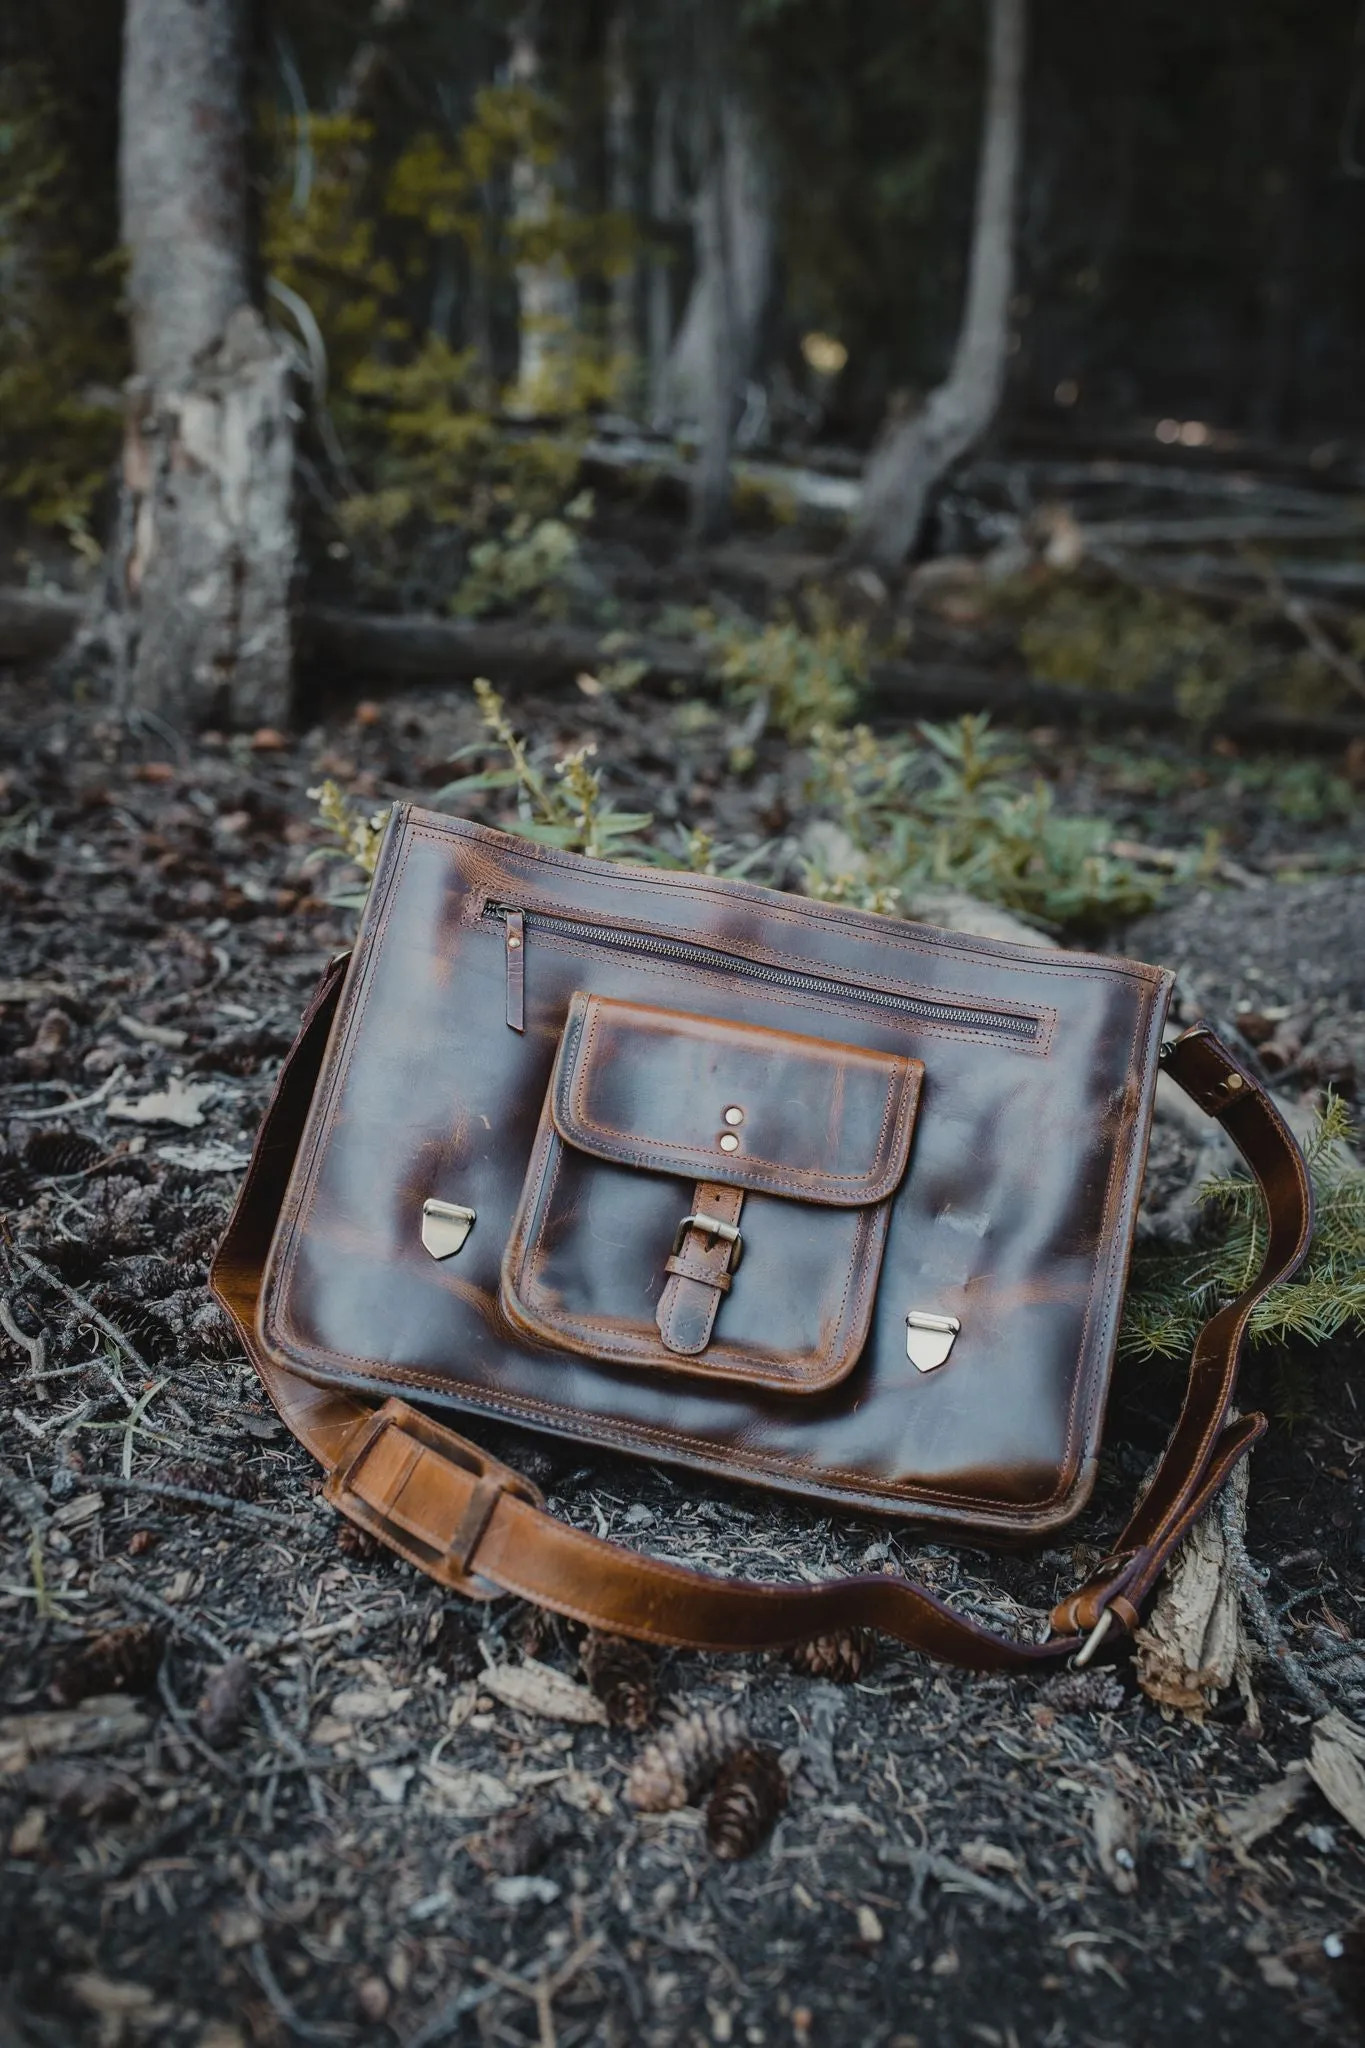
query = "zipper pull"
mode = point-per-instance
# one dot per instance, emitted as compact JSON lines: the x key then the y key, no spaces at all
{"x":514,"y":944}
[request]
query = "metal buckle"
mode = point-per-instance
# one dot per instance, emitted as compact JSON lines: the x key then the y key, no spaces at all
{"x":1093,"y":1640}
{"x":422,"y":1433}
{"x":713,"y":1227}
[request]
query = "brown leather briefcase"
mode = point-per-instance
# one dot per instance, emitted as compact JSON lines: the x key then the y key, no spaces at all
{"x":730,"y":1180}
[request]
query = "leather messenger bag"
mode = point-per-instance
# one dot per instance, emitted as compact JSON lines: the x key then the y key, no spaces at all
{"x":730,"y":1180}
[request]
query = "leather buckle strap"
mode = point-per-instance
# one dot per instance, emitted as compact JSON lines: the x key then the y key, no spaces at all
{"x":417,"y":1487}
{"x":712,"y":1227}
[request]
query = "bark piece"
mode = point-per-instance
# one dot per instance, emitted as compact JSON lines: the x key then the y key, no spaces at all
{"x":111,"y":1721}
{"x":1336,"y":1765}
{"x":1193,"y":1645}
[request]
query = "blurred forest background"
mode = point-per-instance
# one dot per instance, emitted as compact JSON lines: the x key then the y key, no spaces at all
{"x":467,"y":288}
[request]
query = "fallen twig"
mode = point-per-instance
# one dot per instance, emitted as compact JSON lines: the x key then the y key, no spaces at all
{"x":48,"y":1109}
{"x":36,"y":1347}
{"x":219,"y":1503}
{"x":1299,"y":614}
{"x":92,"y":1315}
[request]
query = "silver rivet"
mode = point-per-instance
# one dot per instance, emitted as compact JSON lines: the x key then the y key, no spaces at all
{"x":1235,"y":1081}
{"x":729,"y":1142}
{"x":734,"y":1114}
{"x":512,"y":942}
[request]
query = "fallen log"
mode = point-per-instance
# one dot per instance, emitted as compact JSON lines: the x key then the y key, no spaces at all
{"x":381,"y":652}
{"x":35,"y":624}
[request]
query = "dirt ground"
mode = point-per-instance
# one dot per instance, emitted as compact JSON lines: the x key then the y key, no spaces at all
{"x":350,"y":1837}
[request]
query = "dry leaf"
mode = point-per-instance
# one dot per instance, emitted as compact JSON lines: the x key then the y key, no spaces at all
{"x":468,"y":1795}
{"x":984,"y":1857}
{"x":179,"y":1102}
{"x":109,"y":1998}
{"x":237,"y":1926}
{"x":1336,"y":1765}
{"x":537,"y":1689}
{"x":1246,"y":1821}
{"x":106,"y":1722}
{"x":1192,"y":1644}
{"x":28,"y":1832}
{"x":525,"y":1891}
{"x":391,"y":1781}
{"x":870,"y":1929}
{"x":584,"y":1793}
{"x":1115,"y":1829}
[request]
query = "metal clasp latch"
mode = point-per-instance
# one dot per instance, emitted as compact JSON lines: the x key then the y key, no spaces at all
{"x":929,"y":1338}
{"x":712,"y":1226}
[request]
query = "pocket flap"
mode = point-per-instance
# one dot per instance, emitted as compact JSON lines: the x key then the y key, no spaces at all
{"x":734,"y":1103}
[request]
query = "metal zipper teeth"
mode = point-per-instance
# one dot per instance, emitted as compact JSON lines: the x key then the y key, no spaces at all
{"x":1004,"y":1024}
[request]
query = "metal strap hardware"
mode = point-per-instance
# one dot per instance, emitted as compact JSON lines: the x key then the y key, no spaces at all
{"x":712,"y":1226}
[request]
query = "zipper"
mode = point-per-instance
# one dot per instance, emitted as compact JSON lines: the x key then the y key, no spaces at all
{"x":518,"y":924}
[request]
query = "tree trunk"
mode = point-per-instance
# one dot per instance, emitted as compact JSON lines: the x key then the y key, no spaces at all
{"x":913,"y":456}
{"x":623,"y":195}
{"x":208,"y":452}
{"x":663,"y":202}
{"x":546,"y":295}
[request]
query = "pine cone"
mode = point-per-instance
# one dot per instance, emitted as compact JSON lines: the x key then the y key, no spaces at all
{"x":621,"y":1673}
{"x":224,"y":1702}
{"x":843,"y":1656}
{"x":118,"y":1660}
{"x":522,"y":1841}
{"x":53,"y":1154}
{"x":742,"y":1811}
{"x":452,"y":1642}
{"x":683,"y":1759}
{"x":1083,"y":1692}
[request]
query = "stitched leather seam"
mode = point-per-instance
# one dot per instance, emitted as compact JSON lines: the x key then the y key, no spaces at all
{"x":926,"y":939}
{"x":548,"y":1318}
{"x":697,"y":977}
{"x":902,"y":1095}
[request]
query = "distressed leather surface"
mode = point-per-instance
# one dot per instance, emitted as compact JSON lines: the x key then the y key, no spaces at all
{"x":1014,"y":1214}
{"x":478,"y":1528}
{"x":637,"y":1104}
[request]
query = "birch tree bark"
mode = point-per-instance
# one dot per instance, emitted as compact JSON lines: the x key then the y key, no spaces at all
{"x":714,"y":349}
{"x":547,"y":297}
{"x":208,"y":530}
{"x":912,"y":456}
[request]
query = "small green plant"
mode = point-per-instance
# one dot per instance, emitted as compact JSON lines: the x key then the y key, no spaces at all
{"x":948,"y":813}
{"x":563,"y":808}
{"x":1175,"y":1290}
{"x":355,"y":837}
{"x":807,"y":679}
{"x":531,"y":566}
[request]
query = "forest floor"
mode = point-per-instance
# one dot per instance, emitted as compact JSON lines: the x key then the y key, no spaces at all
{"x":350,"y":1837}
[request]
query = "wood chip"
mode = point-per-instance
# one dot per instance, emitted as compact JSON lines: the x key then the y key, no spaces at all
{"x":1336,"y":1765}
{"x":108,"y":1721}
{"x":1115,"y":1830}
{"x":538,"y":1689}
{"x":468,"y":1795}
{"x":1247,"y":1821}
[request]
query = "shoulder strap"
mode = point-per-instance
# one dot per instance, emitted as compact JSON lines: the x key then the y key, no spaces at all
{"x":480,"y":1529}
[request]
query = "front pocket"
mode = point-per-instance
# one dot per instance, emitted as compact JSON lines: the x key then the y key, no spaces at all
{"x":709,"y":1198}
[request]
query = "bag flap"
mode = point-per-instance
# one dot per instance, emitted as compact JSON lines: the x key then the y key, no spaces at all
{"x":734,"y":1103}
